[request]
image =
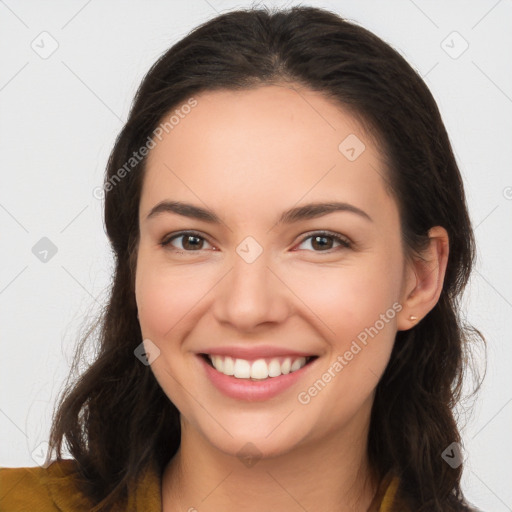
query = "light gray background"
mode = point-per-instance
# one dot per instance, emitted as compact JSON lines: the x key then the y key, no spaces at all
{"x":58,"y":121}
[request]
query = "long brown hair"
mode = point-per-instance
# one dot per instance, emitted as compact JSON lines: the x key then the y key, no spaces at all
{"x":115,"y":419}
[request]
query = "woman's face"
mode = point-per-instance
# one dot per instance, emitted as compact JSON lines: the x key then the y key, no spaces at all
{"x":255,"y":282}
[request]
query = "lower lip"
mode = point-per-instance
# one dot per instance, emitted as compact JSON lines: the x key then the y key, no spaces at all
{"x":252,"y":390}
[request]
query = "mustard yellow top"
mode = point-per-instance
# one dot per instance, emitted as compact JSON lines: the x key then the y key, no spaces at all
{"x":53,"y":489}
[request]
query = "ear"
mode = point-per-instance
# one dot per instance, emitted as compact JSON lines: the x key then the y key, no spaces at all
{"x":424,"y":278}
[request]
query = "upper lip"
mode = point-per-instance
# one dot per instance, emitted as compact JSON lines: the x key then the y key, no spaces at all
{"x":254,"y":352}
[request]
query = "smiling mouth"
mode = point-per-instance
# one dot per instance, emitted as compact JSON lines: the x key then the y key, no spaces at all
{"x":258,"y":369}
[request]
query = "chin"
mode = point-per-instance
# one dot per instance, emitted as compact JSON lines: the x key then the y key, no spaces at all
{"x":259,"y":437}
{"x":249,"y":449}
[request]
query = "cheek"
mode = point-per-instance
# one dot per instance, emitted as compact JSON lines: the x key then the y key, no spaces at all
{"x":165,"y":295}
{"x":357,"y":308}
{"x":350,"y":298}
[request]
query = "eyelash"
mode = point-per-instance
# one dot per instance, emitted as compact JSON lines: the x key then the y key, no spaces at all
{"x":344,"y":242}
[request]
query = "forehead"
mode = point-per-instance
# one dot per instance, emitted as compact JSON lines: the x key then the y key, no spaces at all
{"x":271,"y":143}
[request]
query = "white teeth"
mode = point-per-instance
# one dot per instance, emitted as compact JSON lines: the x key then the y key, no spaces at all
{"x":286,"y":366}
{"x":298,"y":363}
{"x":229,"y":366}
{"x":242,"y":369}
{"x":218,"y":362}
{"x":259,"y":369}
{"x":274,"y":368}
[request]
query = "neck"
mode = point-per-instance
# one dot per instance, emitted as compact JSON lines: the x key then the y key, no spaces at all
{"x":331,"y":474}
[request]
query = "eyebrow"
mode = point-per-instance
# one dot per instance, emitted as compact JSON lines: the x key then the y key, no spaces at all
{"x":306,"y":212}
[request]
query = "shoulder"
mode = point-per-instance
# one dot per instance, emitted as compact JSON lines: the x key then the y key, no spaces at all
{"x":22,"y":489}
{"x":44,"y":489}
{"x":387,"y":495}
{"x":394,"y":498}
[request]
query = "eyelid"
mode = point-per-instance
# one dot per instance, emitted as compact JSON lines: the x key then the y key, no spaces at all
{"x":344,"y":241}
{"x":172,"y":236}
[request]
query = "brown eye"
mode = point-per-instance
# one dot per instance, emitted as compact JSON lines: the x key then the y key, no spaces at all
{"x":324,"y":241}
{"x":190,"y":241}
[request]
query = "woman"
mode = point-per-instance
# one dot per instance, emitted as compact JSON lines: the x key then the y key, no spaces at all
{"x":292,"y":239}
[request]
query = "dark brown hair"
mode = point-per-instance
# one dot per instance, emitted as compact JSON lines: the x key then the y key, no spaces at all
{"x":115,"y":418}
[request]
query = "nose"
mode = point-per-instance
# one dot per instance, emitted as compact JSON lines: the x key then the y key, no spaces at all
{"x":251,"y":294}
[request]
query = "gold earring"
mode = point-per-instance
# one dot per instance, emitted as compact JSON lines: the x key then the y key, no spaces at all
{"x":413,"y":318}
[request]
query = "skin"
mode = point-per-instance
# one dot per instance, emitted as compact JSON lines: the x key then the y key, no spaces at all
{"x":249,"y":156}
